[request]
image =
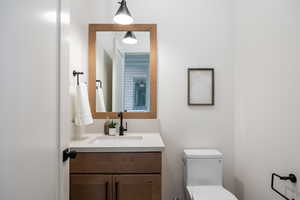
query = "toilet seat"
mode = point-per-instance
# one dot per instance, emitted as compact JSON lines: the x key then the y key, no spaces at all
{"x":209,"y":193}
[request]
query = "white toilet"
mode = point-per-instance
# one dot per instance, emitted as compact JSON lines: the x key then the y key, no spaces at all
{"x":203,"y":175}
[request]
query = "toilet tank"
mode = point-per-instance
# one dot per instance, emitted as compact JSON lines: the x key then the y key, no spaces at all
{"x":203,"y":167}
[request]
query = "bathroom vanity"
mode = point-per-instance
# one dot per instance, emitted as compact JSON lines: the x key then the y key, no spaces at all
{"x":117,"y":167}
{"x":122,"y":80}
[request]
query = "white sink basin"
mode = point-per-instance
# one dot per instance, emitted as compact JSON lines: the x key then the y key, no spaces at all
{"x":120,"y":140}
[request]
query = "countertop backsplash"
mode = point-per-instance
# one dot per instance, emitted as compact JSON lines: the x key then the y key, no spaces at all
{"x":134,"y":126}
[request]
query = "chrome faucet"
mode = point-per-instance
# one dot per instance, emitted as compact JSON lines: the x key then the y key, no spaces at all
{"x":122,"y":129}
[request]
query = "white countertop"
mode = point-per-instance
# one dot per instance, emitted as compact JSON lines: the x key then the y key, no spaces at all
{"x":131,"y":142}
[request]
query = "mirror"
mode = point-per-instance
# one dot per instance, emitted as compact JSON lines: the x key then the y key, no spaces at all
{"x":122,"y":70}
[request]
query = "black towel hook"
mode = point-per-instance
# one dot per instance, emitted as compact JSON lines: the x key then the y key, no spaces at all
{"x":75,"y":73}
{"x":290,"y":177}
{"x":99,"y":82}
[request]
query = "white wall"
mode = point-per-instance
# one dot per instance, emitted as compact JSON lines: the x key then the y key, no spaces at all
{"x":78,"y":39}
{"x":267,"y":95}
{"x":29,"y":100}
{"x":196,"y":33}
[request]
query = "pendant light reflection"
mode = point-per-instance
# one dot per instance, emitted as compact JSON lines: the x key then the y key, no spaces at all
{"x":129,"y":38}
{"x":123,"y":15}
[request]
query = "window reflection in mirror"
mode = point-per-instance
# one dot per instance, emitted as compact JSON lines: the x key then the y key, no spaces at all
{"x":122,"y":72}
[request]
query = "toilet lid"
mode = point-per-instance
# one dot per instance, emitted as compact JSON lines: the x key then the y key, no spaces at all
{"x":210,"y":193}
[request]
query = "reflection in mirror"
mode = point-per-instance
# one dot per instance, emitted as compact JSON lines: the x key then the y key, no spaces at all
{"x":122,"y":71}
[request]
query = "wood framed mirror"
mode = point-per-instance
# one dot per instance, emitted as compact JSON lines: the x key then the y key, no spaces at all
{"x":123,"y":70}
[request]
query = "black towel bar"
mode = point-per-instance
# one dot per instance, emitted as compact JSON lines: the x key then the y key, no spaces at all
{"x":290,"y":177}
{"x":75,"y":73}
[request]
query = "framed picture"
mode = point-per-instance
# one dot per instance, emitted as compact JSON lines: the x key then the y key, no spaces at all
{"x":201,"y":86}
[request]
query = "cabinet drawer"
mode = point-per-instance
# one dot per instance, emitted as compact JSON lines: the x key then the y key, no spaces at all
{"x":116,"y":163}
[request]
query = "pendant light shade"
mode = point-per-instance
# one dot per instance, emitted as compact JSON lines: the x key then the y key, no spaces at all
{"x":123,"y":15}
{"x":129,"y":38}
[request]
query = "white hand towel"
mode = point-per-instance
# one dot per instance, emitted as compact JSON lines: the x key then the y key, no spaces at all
{"x":82,"y":109}
{"x":100,"y":101}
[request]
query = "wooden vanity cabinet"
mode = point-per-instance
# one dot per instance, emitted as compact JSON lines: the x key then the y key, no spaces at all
{"x":116,"y":176}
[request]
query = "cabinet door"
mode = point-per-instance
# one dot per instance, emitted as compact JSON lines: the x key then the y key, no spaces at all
{"x":91,"y":187}
{"x":137,"y":187}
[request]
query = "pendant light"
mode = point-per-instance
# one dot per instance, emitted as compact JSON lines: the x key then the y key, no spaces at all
{"x":129,"y":38}
{"x":123,"y":15}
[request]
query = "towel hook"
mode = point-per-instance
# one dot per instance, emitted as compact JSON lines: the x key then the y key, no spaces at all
{"x":75,"y":73}
{"x":99,"y":82}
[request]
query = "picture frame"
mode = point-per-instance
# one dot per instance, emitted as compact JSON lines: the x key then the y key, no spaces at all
{"x":201,"y":83}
